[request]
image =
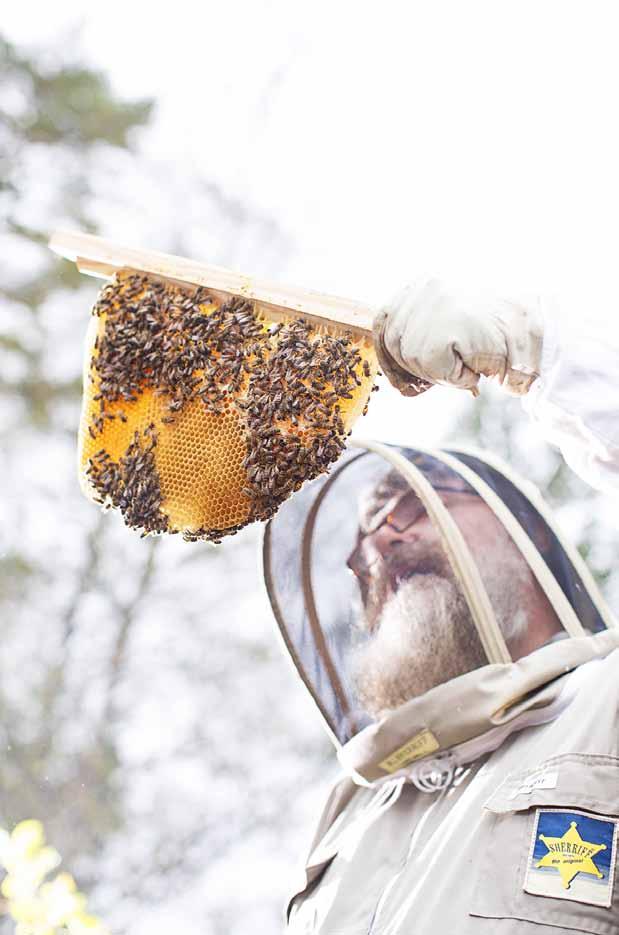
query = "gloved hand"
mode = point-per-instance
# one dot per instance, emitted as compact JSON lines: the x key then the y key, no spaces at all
{"x":429,"y":334}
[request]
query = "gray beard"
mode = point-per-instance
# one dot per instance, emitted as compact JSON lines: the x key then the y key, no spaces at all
{"x":425,"y":637}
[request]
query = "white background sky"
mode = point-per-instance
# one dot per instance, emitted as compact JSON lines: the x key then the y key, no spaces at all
{"x":475,"y":140}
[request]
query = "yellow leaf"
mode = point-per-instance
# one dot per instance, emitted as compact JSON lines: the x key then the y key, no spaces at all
{"x":61,"y":899}
{"x":41,"y":908}
{"x":28,"y":836}
{"x":83,"y":924}
{"x":25,"y":874}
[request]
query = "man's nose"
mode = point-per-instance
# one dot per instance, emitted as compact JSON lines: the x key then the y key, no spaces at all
{"x":385,"y":540}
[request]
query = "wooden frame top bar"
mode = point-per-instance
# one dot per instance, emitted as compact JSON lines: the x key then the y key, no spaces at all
{"x":97,"y":256}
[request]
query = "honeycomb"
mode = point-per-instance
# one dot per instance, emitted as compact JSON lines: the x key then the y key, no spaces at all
{"x":200,"y":416}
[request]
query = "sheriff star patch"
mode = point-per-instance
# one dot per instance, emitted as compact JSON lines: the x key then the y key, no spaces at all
{"x":572,"y":856}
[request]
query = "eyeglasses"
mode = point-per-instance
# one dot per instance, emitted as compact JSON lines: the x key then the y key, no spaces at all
{"x":407,"y":510}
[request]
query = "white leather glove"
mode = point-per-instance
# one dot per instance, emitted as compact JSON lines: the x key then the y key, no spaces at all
{"x":431,"y":334}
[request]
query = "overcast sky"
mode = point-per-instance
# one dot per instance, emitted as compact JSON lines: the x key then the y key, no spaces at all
{"x":475,"y":140}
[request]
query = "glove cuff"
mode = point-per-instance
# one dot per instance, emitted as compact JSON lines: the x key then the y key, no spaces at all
{"x":407,"y":383}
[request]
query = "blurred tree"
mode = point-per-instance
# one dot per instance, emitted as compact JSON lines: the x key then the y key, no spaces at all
{"x":52,"y":119}
{"x":141,"y":693}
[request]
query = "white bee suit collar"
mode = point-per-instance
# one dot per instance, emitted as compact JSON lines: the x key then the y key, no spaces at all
{"x":434,"y":772}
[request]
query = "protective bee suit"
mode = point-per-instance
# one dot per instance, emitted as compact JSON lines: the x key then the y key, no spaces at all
{"x":488,"y":801}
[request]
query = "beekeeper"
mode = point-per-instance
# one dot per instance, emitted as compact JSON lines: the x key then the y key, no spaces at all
{"x":458,"y":650}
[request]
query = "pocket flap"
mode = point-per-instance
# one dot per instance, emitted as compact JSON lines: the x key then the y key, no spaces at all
{"x":575,"y":779}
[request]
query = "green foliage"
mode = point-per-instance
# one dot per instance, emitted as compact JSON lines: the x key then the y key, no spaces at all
{"x":70,"y":107}
{"x":56,"y":118}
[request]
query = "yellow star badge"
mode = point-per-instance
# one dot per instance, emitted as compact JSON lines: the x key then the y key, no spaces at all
{"x":570,"y":855}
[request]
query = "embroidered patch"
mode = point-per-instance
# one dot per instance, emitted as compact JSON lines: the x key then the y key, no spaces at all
{"x":572,"y":856}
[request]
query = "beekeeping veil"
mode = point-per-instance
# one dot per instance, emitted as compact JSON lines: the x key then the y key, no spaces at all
{"x":340,"y":606}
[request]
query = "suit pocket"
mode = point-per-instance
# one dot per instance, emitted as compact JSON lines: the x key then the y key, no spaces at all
{"x":550,"y":850}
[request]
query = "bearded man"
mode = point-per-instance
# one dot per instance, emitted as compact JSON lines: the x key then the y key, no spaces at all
{"x":422,"y":633}
{"x":468,"y":669}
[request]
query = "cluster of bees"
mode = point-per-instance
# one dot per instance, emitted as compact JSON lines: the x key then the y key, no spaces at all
{"x":132,"y":484}
{"x":292,"y":408}
{"x":287,"y":385}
